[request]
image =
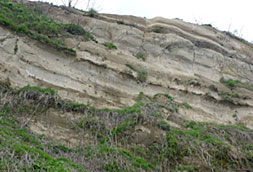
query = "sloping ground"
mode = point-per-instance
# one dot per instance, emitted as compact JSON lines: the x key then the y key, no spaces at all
{"x":136,"y":138}
{"x":159,"y":76}
{"x":150,"y":56}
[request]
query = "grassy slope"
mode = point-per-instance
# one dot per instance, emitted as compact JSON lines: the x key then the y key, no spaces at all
{"x":37,"y":25}
{"x":196,"y":147}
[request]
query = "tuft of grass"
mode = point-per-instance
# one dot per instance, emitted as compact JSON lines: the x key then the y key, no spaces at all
{"x":163,"y":125}
{"x":142,"y":76}
{"x":110,"y":45}
{"x":157,"y":29}
{"x":187,"y":105}
{"x":141,"y":55}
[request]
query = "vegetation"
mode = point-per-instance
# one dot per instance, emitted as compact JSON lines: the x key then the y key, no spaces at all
{"x":187,"y":105}
{"x":236,"y":83}
{"x":232,"y":35}
{"x":141,"y":55}
{"x":16,"y":47}
{"x":91,"y":13}
{"x":157,"y":29}
{"x":37,"y":25}
{"x":142,"y":76}
{"x":42,"y":90}
{"x":110,"y":45}
{"x":195,"y":147}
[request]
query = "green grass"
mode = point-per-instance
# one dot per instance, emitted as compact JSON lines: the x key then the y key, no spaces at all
{"x":37,"y":25}
{"x":112,"y":135}
{"x":236,"y":83}
{"x":230,"y":94}
{"x":141,"y":55}
{"x":22,"y":145}
{"x":186,"y":105}
{"x":110,"y":45}
{"x":157,"y":29}
{"x":40,"y":89}
{"x":142,"y":75}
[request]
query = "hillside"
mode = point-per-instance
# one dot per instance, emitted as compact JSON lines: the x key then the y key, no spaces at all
{"x":83,"y":91}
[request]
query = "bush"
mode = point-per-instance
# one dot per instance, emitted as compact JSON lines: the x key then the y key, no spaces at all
{"x":110,"y":45}
{"x":142,"y":76}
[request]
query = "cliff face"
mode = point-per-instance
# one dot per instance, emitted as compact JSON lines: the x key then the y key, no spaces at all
{"x":179,"y":58}
{"x":127,"y":93}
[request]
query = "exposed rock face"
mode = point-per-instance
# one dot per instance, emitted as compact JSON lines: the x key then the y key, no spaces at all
{"x":182,"y":59}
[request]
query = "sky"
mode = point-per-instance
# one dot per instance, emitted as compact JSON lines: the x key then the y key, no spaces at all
{"x":226,"y":15}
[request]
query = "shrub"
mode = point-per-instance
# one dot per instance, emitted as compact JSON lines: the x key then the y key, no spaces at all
{"x":141,"y":55}
{"x":142,"y":76}
{"x":110,"y":45}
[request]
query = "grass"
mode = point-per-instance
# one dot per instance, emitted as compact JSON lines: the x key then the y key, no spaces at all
{"x":232,"y":94}
{"x":236,"y":83}
{"x":157,"y":29}
{"x":37,"y":25}
{"x":186,"y":105}
{"x":26,"y":147}
{"x":36,"y":88}
{"x":110,"y":45}
{"x":111,"y":134}
{"x":142,"y":76}
{"x":141,"y":55}
{"x":91,"y":13}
